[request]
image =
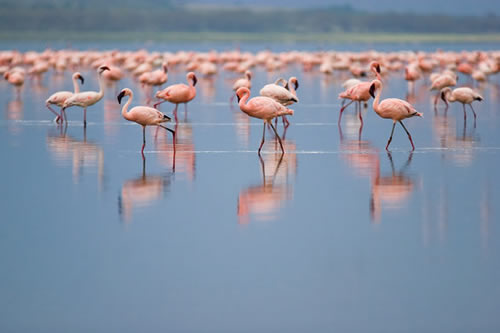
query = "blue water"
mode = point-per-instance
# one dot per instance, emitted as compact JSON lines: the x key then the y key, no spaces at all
{"x":338,"y":236}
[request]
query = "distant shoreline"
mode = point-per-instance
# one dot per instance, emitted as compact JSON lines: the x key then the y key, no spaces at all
{"x":250,"y":37}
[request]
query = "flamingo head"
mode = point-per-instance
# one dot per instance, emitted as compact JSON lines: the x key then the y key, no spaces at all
{"x":124,"y":92}
{"x":242,"y":91}
{"x":444,"y":93}
{"x":295,"y":82}
{"x":248,"y":74}
{"x":79,"y":76}
{"x":192,"y":76}
{"x":165,"y":68}
{"x":375,"y":65}
{"x":103,"y":68}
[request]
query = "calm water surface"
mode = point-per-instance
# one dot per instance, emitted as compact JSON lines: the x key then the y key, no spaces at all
{"x":337,"y":236}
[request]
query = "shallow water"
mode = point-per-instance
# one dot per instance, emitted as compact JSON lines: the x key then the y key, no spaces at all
{"x":338,"y":235}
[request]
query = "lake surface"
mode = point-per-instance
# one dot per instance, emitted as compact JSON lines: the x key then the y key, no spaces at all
{"x":336,"y":236}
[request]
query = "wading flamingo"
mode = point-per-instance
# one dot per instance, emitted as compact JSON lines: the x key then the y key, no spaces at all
{"x":60,"y":97}
{"x":392,"y":108}
{"x":463,"y":95}
{"x":179,"y":93}
{"x":86,"y":98}
{"x":264,"y":108}
{"x":242,"y":82}
{"x":442,"y":81}
{"x":144,"y":116}
{"x":284,"y":95}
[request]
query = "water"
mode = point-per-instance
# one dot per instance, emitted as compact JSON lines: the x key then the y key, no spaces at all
{"x":336,"y":236}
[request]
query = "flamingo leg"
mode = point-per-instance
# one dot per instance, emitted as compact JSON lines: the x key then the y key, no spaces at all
{"x":158,"y":103}
{"x":286,"y":123}
{"x":436,"y":99}
{"x":474,"y":112}
{"x":263,"y":138}
{"x":465,"y":113}
{"x":58,"y":116}
{"x":360,"y":115}
{"x":279,"y":139}
{"x":390,"y":138}
{"x":84,"y":117}
{"x":173,"y":144}
{"x":143,"y":140}
{"x":342,"y":110}
{"x":409,"y":135}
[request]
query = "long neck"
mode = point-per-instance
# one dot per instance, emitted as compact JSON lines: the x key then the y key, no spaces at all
{"x":291,"y":86}
{"x":243,"y":101}
{"x":377,"y":74}
{"x":125,"y":114}
{"x":449,"y":96}
{"x":377,"y":98}
{"x":101,"y":86}
{"x":76,"y":87}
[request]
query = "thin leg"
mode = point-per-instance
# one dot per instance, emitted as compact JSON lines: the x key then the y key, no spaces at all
{"x":465,"y":113}
{"x":360,"y":115}
{"x":58,"y":116}
{"x":175,"y":113}
{"x":436,"y":99}
{"x":409,"y":135}
{"x":158,"y":103}
{"x":390,"y":138}
{"x":85,"y":117}
{"x":474,"y":112}
{"x":279,"y":139}
{"x":143,"y":140}
{"x":173,"y":143}
{"x":342,"y":110}
{"x":263,"y":137}
{"x":286,"y":123}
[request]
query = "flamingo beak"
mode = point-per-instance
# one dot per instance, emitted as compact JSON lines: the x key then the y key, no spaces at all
{"x":166,"y":117}
{"x":120,"y":96}
{"x":104,"y":68}
{"x":195,"y":80}
{"x":81,"y":78}
{"x":238,"y":97}
{"x":296,"y":84}
{"x":372,"y":90}
{"x":378,"y":68}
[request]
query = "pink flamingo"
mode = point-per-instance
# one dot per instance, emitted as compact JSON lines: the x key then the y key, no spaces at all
{"x":179,"y":93}
{"x":86,"y":98}
{"x":359,"y":92}
{"x":264,"y":108}
{"x":60,"y":97}
{"x":284,"y":95}
{"x":463,"y":95}
{"x":442,"y":81}
{"x":144,"y":116}
{"x":16,"y":78}
{"x":392,"y":108}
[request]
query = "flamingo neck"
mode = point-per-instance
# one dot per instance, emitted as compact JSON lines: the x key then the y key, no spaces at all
{"x":125,"y":114}
{"x":377,"y":97}
{"x":291,"y":86}
{"x":377,"y":74}
{"x":101,"y":86}
{"x":243,"y":101}
{"x":449,"y":96}
{"x":76,"y":87}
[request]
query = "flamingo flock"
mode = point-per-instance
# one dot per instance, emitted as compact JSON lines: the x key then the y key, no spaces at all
{"x":439,"y":71}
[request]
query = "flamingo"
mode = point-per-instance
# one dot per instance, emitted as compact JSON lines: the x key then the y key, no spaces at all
{"x":16,"y":78}
{"x":243,"y":82}
{"x":264,"y":108}
{"x":144,"y":116}
{"x":392,"y":108}
{"x":178,"y":93}
{"x":443,"y":81}
{"x":284,"y":95}
{"x":60,"y":97}
{"x":359,"y":92}
{"x":463,"y":95}
{"x":86,"y":98}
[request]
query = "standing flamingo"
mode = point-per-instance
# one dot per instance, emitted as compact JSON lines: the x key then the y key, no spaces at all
{"x":442,"y":81}
{"x":264,"y":108}
{"x":359,"y":92}
{"x":144,"y":116}
{"x":60,"y":97}
{"x":16,"y":78}
{"x":392,"y":108}
{"x":463,"y":95}
{"x":86,"y":98}
{"x":179,"y":93}
{"x":284,"y":95}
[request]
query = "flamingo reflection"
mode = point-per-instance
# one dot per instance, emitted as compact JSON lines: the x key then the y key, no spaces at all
{"x":82,"y":154}
{"x":391,"y":191}
{"x":141,"y":192}
{"x":265,"y":200}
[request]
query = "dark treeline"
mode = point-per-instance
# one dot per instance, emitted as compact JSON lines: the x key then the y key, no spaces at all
{"x":114,"y":17}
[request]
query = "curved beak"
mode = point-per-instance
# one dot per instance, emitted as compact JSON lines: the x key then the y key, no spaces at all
{"x":166,"y":117}
{"x":238,"y":97}
{"x":120,"y":96}
{"x":81,"y":78}
{"x":104,"y":68}
{"x":195,"y":80}
{"x":296,"y":84}
{"x":378,"y":68}
{"x":372,"y":90}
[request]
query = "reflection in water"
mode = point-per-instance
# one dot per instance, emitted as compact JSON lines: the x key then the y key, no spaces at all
{"x":112,"y":116}
{"x":390,"y":191}
{"x":265,"y":200}
{"x":183,"y":157}
{"x":141,"y":192}
{"x":82,"y":154}
{"x":14,"y":111}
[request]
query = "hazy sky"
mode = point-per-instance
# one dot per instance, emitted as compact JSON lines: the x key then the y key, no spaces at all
{"x":453,"y":7}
